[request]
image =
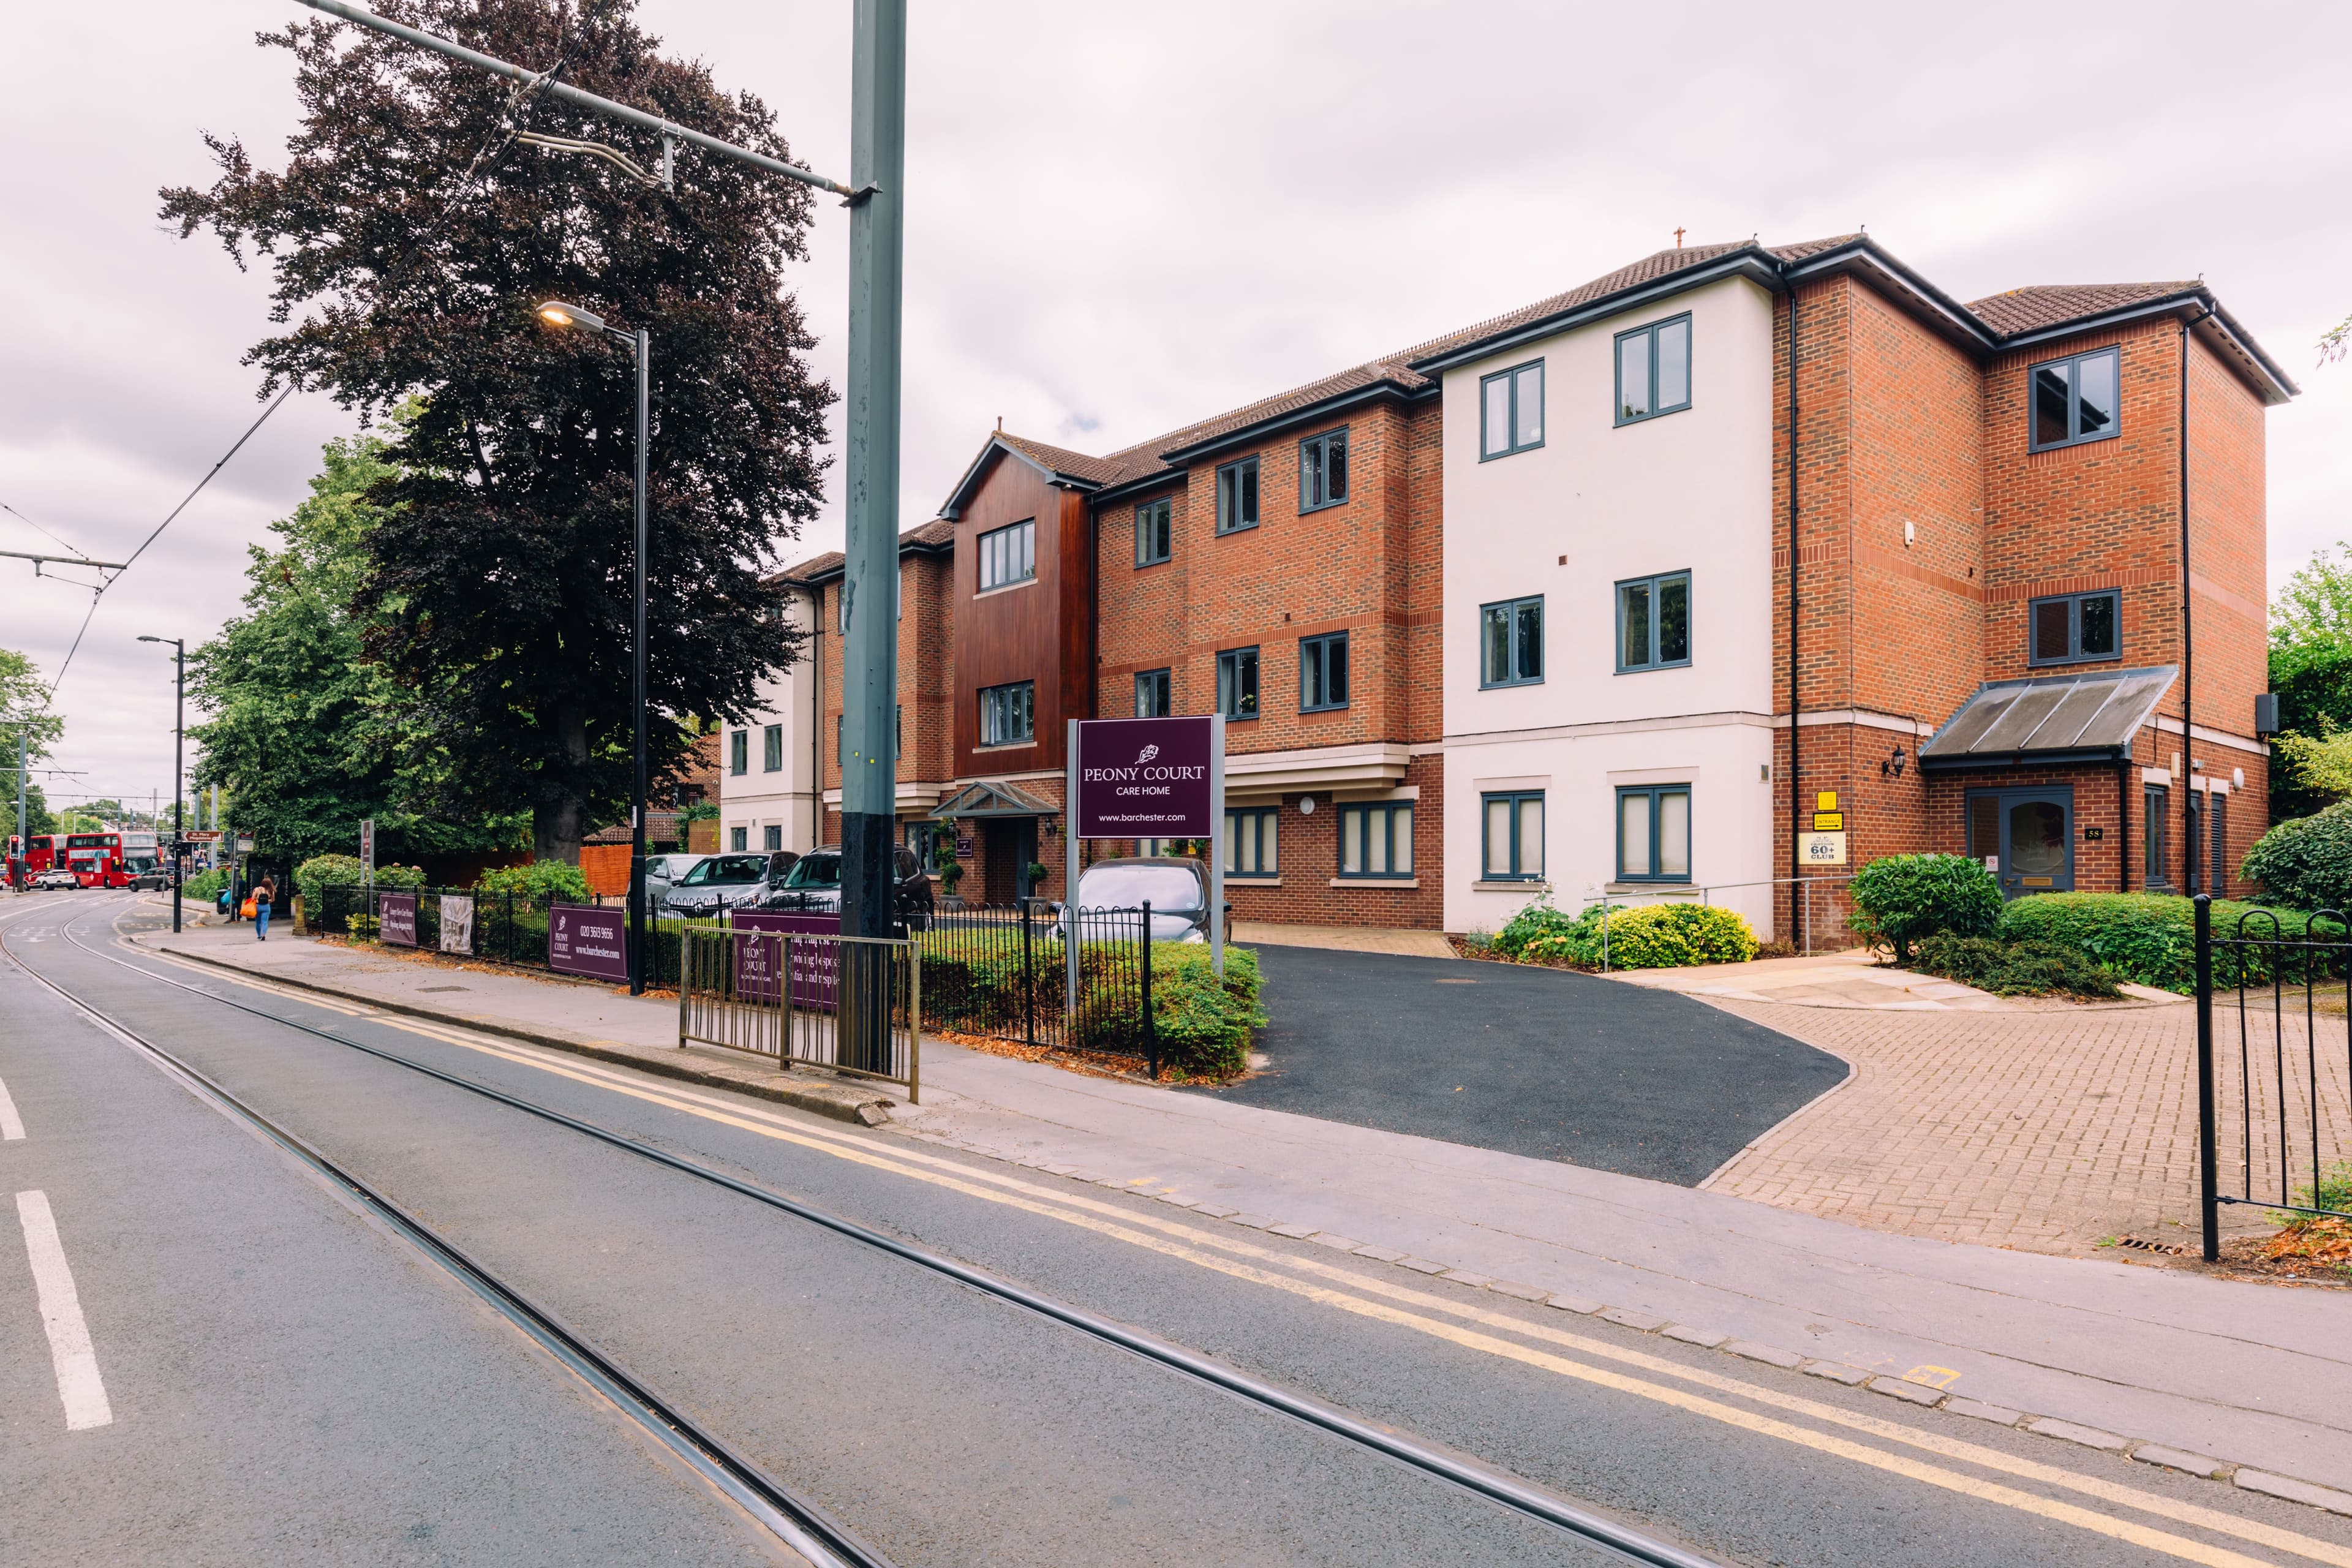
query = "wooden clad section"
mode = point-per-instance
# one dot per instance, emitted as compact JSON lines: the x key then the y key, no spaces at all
{"x":1025,"y":632}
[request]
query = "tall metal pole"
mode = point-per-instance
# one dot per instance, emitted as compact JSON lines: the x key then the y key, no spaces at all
{"x":868,"y":624}
{"x":179,"y":748}
{"x":645,"y":345}
{"x":23,"y":838}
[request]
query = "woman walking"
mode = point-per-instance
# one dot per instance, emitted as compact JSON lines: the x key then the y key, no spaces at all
{"x":263,"y":892}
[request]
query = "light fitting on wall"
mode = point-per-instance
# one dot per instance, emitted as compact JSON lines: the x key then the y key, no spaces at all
{"x":1895,"y":764}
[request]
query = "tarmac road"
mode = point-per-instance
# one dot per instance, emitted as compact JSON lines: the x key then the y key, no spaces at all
{"x":1541,"y":1062}
{"x":286,"y":1384}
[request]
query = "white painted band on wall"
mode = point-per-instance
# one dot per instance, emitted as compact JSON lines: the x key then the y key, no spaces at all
{"x":1525,"y":780}
{"x":1653,"y":776}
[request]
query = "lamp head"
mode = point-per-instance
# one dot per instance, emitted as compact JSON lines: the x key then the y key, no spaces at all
{"x":556,"y":313}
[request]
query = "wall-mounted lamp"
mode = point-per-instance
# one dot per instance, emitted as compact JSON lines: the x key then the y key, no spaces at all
{"x":1894,"y":765}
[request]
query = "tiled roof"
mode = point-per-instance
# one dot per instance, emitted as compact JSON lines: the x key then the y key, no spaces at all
{"x":2051,"y":305}
{"x":940,"y":530}
{"x":1144,"y":458}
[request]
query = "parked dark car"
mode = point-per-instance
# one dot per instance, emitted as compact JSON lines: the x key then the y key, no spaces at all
{"x":815,"y":888}
{"x":730,"y":881}
{"x":1176,"y":887}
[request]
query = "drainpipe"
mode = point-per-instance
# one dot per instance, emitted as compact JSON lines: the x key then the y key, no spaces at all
{"x":2123,"y":821}
{"x":1796,"y":788}
{"x":816,"y":729}
{"x":2190,"y":847}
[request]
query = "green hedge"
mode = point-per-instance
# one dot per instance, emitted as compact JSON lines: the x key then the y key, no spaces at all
{"x":2306,"y":863}
{"x":1204,"y":1027}
{"x":559,"y":880}
{"x":1672,"y":935}
{"x":1900,"y":898}
{"x":205,"y":884}
{"x":2151,"y":938}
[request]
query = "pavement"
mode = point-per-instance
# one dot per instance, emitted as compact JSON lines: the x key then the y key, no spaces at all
{"x":1856,"y":978}
{"x":1344,"y":939}
{"x":2140,"y":1355}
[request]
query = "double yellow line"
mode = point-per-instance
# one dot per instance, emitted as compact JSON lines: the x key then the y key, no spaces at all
{"x":1465,"y":1324}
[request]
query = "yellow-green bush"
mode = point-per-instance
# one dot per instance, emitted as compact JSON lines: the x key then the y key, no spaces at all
{"x":1649,"y":936}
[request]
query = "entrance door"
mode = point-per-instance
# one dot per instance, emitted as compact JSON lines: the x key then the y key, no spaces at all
{"x":2027,"y":835}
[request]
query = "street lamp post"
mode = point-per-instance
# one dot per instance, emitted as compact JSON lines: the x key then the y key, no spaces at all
{"x":179,"y":745}
{"x":555,"y":312}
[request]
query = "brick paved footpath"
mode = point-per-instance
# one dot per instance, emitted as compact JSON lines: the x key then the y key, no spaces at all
{"x":2046,"y":1130}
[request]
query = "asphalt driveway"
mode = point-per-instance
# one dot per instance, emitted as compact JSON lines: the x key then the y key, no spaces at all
{"x":1541,"y":1062}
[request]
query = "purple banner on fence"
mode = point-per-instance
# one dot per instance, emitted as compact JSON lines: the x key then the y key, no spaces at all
{"x":1144,"y":778}
{"x":584,"y":941}
{"x":396,"y":918}
{"x":816,"y":965}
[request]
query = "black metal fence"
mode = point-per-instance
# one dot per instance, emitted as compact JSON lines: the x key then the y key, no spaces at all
{"x":2274,"y":1078}
{"x":1006,"y":972}
{"x":507,"y":928}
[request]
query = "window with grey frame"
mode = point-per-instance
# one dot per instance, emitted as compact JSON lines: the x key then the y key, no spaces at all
{"x":2075,"y":399}
{"x":1250,"y":849}
{"x":773,"y":834}
{"x":1237,"y":495}
{"x":739,"y":838}
{"x":1008,"y":556}
{"x":1323,"y":470}
{"x":2071,"y":628}
{"x":1008,"y":713}
{"x":1154,"y":537}
{"x":1154,"y":694}
{"x":1237,"y":683}
{"x":1510,"y":642}
{"x":772,"y":749}
{"x":739,"y":753}
{"x":1653,"y":370}
{"x":1654,"y":622}
{"x":1510,"y":411}
{"x":1323,"y":672}
{"x":1510,"y":832}
{"x":2155,"y":837}
{"x":1653,"y":833}
{"x":1376,"y":839}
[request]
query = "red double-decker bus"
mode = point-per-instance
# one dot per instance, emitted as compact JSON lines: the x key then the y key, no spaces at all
{"x":96,"y":859}
{"x":28,"y":861}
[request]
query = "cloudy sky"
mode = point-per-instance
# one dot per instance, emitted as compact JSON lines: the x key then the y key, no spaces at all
{"x":1122,"y":218}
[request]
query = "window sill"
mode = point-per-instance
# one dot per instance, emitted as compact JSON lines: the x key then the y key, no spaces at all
{"x":1661,"y":885}
{"x":1234,"y":881}
{"x":1327,"y":708}
{"x":1652,"y":668}
{"x":1147,"y":565}
{"x":2078,"y":659}
{"x":1515,"y":451}
{"x":1029,"y":582}
{"x":1509,"y":684}
{"x":1325,"y":506}
{"x":1513,"y":885}
{"x":1623,"y":420}
{"x":1006,"y":746}
{"x":1237,"y":528}
{"x":2032,"y":448}
{"x":1406,"y":883}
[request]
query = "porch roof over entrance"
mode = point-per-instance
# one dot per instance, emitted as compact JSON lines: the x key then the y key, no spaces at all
{"x":2078,"y":717}
{"x":984,"y":799}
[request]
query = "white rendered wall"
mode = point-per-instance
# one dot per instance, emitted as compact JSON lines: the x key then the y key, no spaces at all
{"x":787,"y":796}
{"x":1685,"y":491}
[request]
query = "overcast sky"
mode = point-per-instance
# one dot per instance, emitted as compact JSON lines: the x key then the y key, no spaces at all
{"x":1122,"y":218}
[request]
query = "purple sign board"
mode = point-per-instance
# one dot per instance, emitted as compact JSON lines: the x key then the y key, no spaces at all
{"x":1145,"y":778}
{"x":590,"y":942}
{"x":396,"y":918}
{"x":816,"y":965}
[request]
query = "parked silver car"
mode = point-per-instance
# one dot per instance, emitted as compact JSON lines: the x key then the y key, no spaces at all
{"x":725,"y":881}
{"x":1176,"y":887}
{"x":664,"y":872}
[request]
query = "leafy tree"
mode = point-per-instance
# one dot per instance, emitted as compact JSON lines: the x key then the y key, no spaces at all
{"x":415,"y":238}
{"x":38,"y":818}
{"x":305,"y":733}
{"x":2311,"y":670}
{"x":24,"y":700}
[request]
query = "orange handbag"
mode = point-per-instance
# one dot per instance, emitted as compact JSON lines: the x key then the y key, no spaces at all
{"x":247,"y":911}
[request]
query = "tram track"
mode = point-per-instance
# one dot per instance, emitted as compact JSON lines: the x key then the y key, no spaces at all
{"x":711,"y":1454}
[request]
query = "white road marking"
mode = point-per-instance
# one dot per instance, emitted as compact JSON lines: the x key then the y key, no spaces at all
{"x":79,"y":1384}
{"x":11,"y":1128}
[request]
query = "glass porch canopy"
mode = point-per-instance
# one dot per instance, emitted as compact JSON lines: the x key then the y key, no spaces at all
{"x":2076,"y":718}
{"x":986,"y":800}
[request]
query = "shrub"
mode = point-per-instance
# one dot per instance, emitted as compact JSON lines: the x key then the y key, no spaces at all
{"x":1204,"y":1027}
{"x":205,"y":884}
{"x":556,"y":881}
{"x":2014,"y":968}
{"x":1539,"y":919}
{"x":2150,"y":939}
{"x":2306,"y":863}
{"x":1657,"y":936}
{"x":1899,"y":899}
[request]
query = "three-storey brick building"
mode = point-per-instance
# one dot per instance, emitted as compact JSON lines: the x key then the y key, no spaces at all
{"x":1740,"y":564}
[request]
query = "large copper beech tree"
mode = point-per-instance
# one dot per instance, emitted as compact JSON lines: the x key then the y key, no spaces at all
{"x":496,"y":588}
